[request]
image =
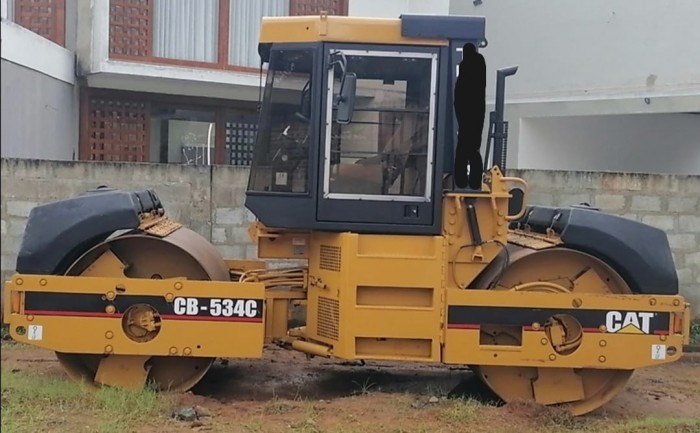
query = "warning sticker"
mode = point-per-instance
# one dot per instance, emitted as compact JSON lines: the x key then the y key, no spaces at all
{"x":299,"y":246}
{"x":658,"y":351}
{"x":280,"y":178}
{"x":36,"y":332}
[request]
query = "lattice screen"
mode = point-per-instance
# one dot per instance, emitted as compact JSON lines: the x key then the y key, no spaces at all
{"x":43,"y":17}
{"x":314,"y":7}
{"x":117,"y":130}
{"x":240,"y":138}
{"x":130,"y":27}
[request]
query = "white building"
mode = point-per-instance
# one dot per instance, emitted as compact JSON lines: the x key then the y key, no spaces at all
{"x":170,"y":81}
{"x":602,"y":84}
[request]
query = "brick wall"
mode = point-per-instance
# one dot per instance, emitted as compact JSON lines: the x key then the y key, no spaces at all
{"x":210,"y":201}
{"x":669,"y":202}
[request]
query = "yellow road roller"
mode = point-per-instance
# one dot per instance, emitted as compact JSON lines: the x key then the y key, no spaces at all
{"x":352,"y":185}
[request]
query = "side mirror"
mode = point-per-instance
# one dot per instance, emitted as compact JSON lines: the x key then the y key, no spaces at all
{"x":344,"y":101}
{"x":346,"y":98}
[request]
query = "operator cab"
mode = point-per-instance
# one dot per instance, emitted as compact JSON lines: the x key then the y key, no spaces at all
{"x":357,"y":136}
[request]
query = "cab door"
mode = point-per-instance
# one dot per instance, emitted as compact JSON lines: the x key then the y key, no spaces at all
{"x":379,"y":168}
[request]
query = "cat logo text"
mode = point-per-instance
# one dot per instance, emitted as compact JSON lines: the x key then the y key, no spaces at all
{"x":628,"y":322}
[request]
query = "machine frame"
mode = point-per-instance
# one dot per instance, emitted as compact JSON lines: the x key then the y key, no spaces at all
{"x":557,"y":305}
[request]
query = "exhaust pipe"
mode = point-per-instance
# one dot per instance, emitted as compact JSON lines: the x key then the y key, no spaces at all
{"x":498,"y":128}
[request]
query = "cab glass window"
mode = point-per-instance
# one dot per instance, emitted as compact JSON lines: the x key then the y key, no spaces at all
{"x":385,"y":152}
{"x":281,"y":152}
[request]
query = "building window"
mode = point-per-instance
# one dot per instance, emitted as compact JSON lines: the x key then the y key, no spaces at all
{"x":186,"y":29}
{"x":46,"y":18}
{"x":168,"y":31}
{"x":182,"y":136}
{"x":245,"y":17}
{"x":144,"y":127}
{"x":240,"y":138}
{"x":114,"y":129}
{"x":130,"y":24}
{"x":221,"y":34}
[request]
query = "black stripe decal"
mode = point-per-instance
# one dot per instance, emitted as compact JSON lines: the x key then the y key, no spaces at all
{"x":189,"y":308}
{"x":471,"y":317}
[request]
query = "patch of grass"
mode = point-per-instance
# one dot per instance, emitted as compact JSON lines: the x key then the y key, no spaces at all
{"x":306,"y":426}
{"x":347,"y":429}
{"x":9,"y":343}
{"x":404,"y":403}
{"x":375,"y":428}
{"x":32,"y":403}
{"x":559,"y":418}
{"x":435,"y":391}
{"x":462,"y":411}
{"x":364,"y":387}
{"x":253,"y":426}
{"x":655,"y":425}
{"x":121,"y":406}
{"x":277,"y":407}
{"x":313,"y":411}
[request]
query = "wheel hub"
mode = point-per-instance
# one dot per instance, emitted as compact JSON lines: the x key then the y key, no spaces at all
{"x":141,"y":323}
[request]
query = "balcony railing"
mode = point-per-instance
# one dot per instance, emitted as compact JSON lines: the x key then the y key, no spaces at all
{"x":218,"y":34}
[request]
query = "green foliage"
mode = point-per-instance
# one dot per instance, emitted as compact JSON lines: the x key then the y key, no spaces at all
{"x":656,"y":425}
{"x":695,"y":334}
{"x":365,"y":387}
{"x":32,"y":403}
{"x":462,"y":411}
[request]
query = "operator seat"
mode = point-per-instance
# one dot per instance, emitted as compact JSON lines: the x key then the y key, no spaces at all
{"x":377,"y":174}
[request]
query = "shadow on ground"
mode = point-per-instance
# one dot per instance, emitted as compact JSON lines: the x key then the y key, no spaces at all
{"x":322,"y":379}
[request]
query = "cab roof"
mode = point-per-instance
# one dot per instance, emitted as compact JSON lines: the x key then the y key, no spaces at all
{"x":432,"y":30}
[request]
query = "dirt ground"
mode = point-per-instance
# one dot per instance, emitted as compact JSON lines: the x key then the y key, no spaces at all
{"x":285,"y":391}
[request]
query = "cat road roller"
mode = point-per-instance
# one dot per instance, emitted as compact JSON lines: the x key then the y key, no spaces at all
{"x":352,"y":187}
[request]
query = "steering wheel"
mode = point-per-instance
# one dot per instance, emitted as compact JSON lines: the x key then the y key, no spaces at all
{"x":289,"y":148}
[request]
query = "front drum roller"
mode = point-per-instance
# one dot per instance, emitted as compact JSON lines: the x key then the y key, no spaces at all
{"x":181,"y":254}
{"x":552,"y":270}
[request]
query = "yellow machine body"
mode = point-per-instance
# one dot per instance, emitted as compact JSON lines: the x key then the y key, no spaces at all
{"x":534,"y":319}
{"x":387,"y":297}
{"x":339,"y":29}
{"x":104,"y":329}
